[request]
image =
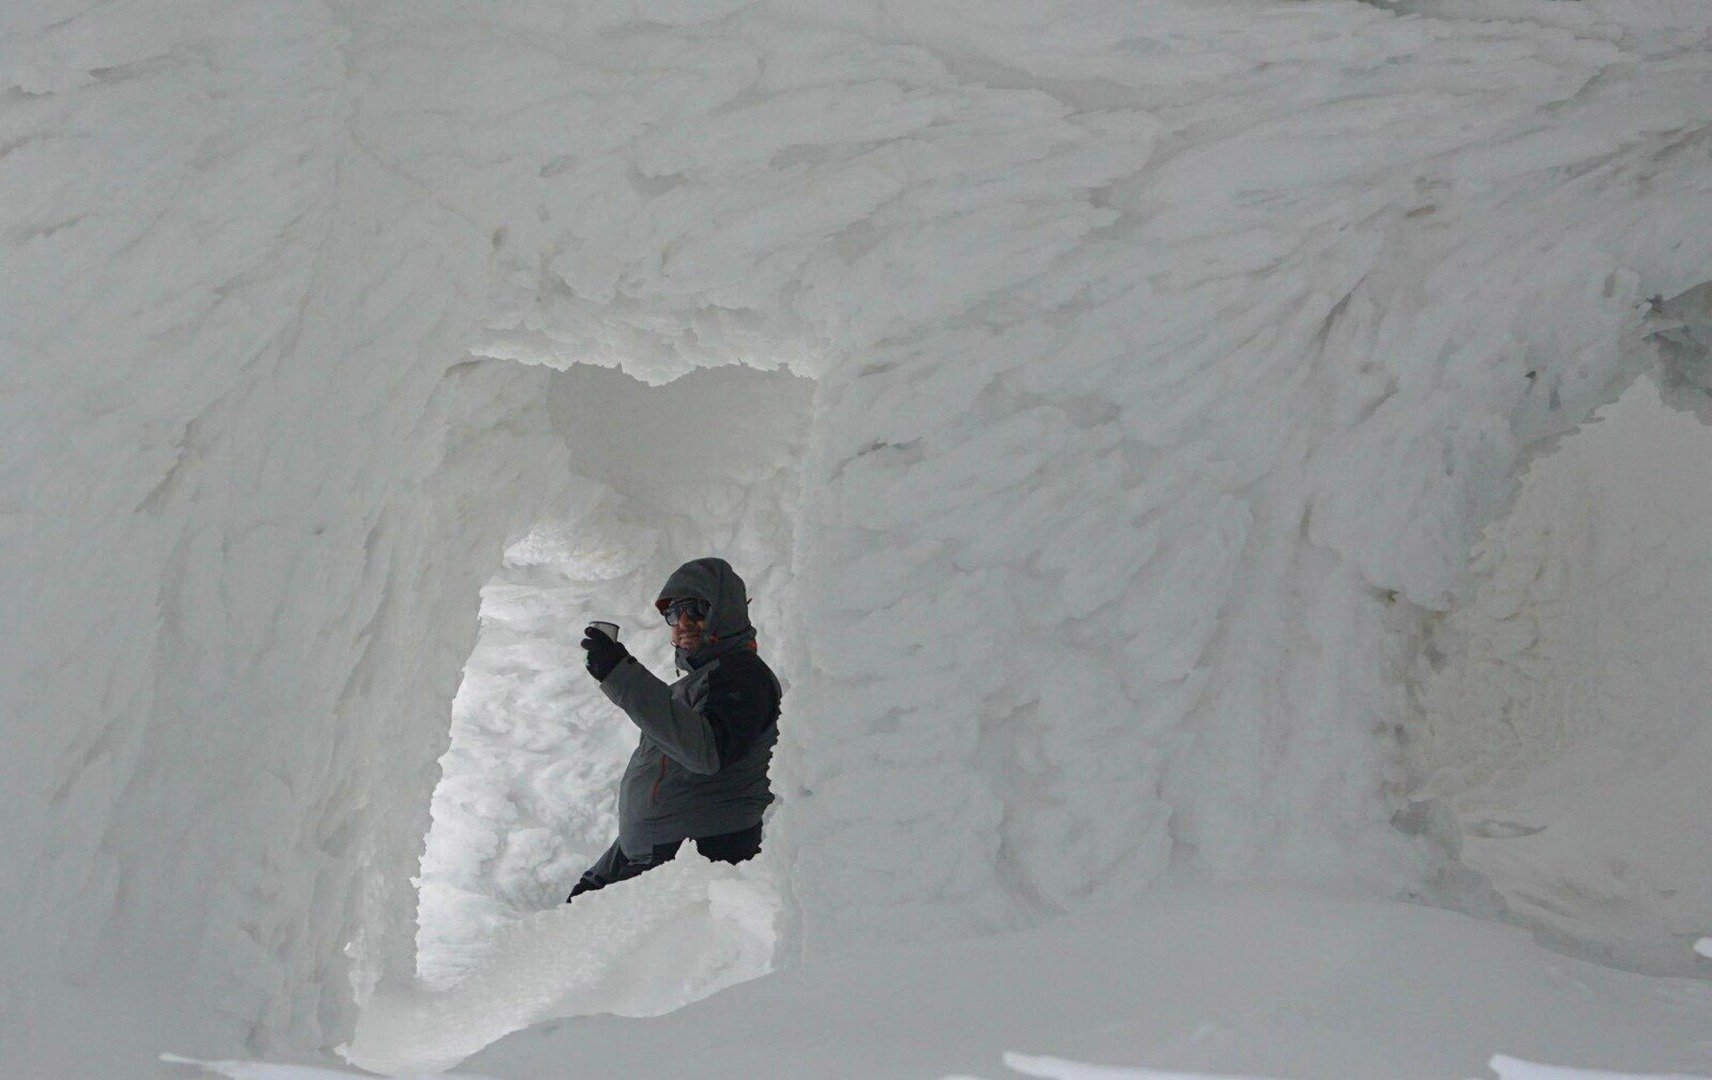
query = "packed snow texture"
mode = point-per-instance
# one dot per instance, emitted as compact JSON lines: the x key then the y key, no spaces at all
{"x":696,"y":929}
{"x":1251,"y":981}
{"x":1563,"y":711}
{"x":1234,"y":982}
{"x":1170,"y":358}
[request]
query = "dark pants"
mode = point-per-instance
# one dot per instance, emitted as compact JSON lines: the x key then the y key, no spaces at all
{"x":734,"y":847}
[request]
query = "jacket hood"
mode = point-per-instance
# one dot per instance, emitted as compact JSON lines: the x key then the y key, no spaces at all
{"x":712,"y":580}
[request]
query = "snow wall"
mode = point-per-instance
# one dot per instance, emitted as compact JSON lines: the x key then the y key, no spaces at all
{"x":1169,"y":355}
{"x":1563,"y":719}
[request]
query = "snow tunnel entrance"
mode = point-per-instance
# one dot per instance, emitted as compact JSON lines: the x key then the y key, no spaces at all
{"x":706,"y":464}
{"x":1562,"y":713}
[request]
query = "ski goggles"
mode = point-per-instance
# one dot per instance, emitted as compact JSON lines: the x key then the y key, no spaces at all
{"x":696,"y":609}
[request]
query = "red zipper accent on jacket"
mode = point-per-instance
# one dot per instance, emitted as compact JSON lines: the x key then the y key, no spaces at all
{"x":654,"y":796}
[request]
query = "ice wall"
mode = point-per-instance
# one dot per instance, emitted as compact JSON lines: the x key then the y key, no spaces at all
{"x":1171,"y":356}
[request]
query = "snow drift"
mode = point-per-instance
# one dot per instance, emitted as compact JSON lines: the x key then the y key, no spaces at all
{"x":1170,"y":357}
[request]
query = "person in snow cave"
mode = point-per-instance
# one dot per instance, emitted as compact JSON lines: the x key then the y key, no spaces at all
{"x":700,"y":768}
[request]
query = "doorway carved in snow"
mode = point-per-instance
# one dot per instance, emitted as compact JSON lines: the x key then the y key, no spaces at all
{"x":704,"y":465}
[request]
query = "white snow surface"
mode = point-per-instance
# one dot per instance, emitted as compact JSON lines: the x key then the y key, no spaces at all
{"x":1251,"y":982}
{"x":1169,"y":359}
{"x":695,"y":930}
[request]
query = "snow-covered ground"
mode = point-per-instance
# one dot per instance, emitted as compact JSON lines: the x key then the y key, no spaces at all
{"x":1156,"y":368}
{"x":1256,"y":982}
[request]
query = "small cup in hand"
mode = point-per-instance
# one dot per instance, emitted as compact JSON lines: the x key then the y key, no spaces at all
{"x":610,"y":629}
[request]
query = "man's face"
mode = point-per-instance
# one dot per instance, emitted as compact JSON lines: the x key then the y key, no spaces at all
{"x":690,"y":631}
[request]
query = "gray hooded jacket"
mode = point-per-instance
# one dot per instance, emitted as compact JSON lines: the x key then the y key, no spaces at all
{"x":700,"y":768}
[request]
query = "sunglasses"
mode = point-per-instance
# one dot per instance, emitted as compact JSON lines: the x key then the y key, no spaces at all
{"x":696,"y":609}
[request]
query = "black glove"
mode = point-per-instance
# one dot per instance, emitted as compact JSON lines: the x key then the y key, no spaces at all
{"x":604,"y":654}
